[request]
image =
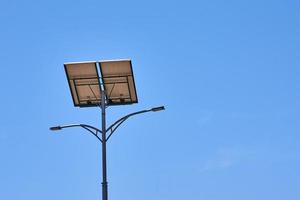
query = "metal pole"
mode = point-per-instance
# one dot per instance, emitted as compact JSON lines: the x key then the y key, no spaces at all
{"x":104,"y":178}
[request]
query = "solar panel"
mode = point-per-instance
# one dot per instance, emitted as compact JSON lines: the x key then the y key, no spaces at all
{"x":118,"y":80}
{"x":116,"y":77}
{"x":84,"y":83}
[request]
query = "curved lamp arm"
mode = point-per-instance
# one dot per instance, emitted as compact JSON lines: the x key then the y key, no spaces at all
{"x":93,"y":130}
{"x":85,"y":126}
{"x":117,"y":123}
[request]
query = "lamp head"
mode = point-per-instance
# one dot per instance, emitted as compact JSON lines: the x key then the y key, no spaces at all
{"x":156,"y":109}
{"x":55,"y":128}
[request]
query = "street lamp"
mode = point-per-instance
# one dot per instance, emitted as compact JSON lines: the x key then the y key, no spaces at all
{"x":114,"y":86}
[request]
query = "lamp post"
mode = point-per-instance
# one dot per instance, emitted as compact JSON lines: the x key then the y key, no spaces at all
{"x":114,"y":87}
{"x":104,"y":138}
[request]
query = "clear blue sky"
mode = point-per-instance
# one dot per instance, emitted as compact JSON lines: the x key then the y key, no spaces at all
{"x":227,"y":72}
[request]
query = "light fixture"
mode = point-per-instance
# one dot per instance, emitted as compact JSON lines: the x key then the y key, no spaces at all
{"x":156,"y":109}
{"x":55,"y":128}
{"x":102,"y":83}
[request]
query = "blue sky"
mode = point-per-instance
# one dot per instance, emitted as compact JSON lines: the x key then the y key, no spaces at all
{"x":227,"y":72}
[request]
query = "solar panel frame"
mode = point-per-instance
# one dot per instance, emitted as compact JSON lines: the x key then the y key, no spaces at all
{"x":74,"y":91}
{"x":103,"y":77}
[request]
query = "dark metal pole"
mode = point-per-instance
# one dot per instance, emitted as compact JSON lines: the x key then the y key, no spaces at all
{"x":104,"y":177}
